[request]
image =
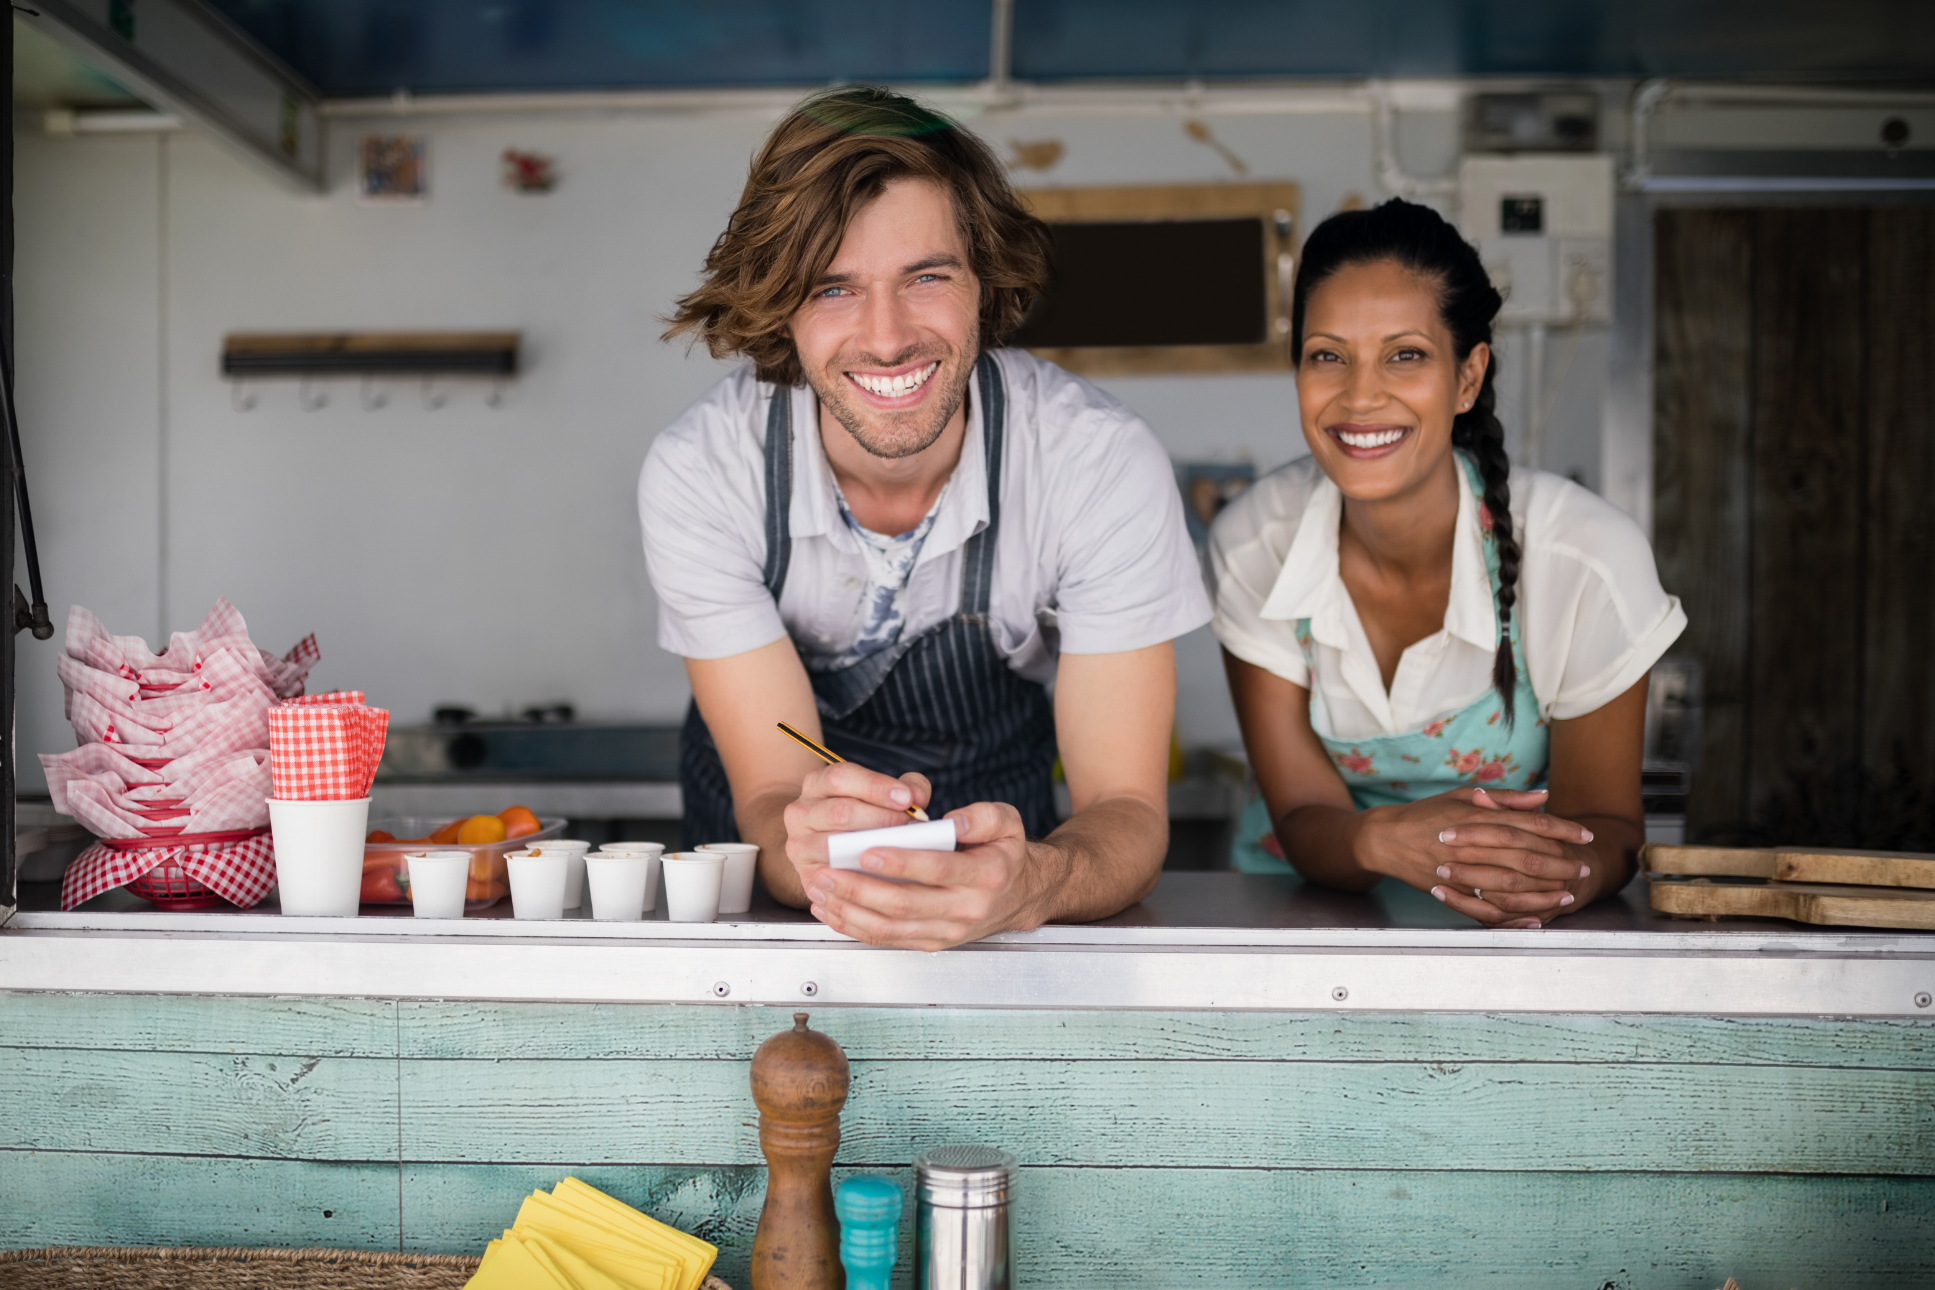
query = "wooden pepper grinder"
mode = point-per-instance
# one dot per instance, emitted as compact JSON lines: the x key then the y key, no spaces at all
{"x":799,"y":1081}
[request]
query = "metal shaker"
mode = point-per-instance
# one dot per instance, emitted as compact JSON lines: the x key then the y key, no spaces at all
{"x":961,"y":1232}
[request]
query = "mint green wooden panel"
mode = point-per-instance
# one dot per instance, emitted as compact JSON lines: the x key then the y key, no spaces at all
{"x":199,"y":1024}
{"x":544,"y":1030}
{"x":1510,"y":1115}
{"x":307,"y":1108}
{"x":1107,"y":1228}
{"x":73,"y":1198}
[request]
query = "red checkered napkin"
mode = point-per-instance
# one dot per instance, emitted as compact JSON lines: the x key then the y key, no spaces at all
{"x":240,"y":870}
{"x":325,"y":747}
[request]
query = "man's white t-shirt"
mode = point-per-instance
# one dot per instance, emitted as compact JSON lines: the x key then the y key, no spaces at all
{"x":1092,"y":555}
{"x":1593,"y":618}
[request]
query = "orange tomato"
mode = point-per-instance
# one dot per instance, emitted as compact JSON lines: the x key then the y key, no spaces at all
{"x":481,"y":828}
{"x":519,"y":822}
{"x":448,"y":833}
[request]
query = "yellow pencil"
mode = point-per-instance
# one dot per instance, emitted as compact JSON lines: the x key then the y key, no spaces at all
{"x":832,"y":758}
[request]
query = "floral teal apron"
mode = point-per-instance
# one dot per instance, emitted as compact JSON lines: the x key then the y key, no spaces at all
{"x":1473,"y":746}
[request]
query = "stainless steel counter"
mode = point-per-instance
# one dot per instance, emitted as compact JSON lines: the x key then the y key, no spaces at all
{"x":1207,"y":941}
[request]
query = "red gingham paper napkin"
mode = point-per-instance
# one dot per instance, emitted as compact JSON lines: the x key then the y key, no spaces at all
{"x":325,"y":747}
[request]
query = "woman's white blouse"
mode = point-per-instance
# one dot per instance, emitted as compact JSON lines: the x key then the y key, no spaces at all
{"x":1592,"y":615}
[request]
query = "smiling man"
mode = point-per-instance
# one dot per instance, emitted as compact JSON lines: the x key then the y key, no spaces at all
{"x":893,"y":535}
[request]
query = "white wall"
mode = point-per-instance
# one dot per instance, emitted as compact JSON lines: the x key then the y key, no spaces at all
{"x":472,"y":554}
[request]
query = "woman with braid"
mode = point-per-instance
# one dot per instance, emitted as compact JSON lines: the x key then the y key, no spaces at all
{"x":1439,"y":663}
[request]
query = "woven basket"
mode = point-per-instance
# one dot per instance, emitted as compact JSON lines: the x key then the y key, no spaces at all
{"x":80,"y":1267}
{"x":168,"y":886}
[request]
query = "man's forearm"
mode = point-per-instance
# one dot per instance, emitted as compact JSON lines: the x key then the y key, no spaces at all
{"x":762,"y":821}
{"x":1099,"y":862}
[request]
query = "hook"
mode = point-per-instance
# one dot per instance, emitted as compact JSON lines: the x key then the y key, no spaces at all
{"x":312,"y":400}
{"x":433,"y":398}
{"x":372,"y":398}
{"x":239,"y":396}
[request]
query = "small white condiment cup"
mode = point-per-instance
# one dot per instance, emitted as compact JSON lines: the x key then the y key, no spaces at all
{"x":574,"y":881}
{"x":742,"y":862}
{"x":649,"y":852}
{"x":656,"y":848}
{"x":319,"y":855}
{"x":438,"y":880}
{"x":621,"y":884}
{"x":537,"y":883}
{"x":692,"y":881}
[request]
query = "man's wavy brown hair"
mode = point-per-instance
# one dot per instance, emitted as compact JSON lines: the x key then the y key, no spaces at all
{"x":832,"y":155}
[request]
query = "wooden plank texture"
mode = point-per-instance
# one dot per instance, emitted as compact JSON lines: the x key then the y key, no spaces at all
{"x":308,"y":1108}
{"x":1702,"y":482}
{"x":1857,"y":868}
{"x":1107,"y":1228}
{"x":199,"y":1024}
{"x":1898,"y":706}
{"x":1805,"y":652}
{"x":1237,"y":1114}
{"x":1817,"y":903}
{"x":499,"y":1031}
{"x":76,"y":1198}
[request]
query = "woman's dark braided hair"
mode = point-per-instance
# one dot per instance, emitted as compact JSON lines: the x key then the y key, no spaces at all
{"x":1420,"y":239}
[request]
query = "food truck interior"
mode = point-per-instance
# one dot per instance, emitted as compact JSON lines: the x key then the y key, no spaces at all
{"x":347,"y":313}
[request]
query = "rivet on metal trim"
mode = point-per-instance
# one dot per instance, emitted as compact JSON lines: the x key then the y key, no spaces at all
{"x":1339,"y":993}
{"x":1923,"y":999}
{"x":721,"y":989}
{"x":810,"y":988}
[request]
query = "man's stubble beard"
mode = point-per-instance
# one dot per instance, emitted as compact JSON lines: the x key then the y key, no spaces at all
{"x":892,"y":436}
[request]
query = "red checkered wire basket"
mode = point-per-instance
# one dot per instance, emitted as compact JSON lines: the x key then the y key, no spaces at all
{"x":166,"y":886}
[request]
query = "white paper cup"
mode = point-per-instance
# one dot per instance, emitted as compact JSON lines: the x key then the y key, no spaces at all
{"x":319,"y":855}
{"x":537,"y":883}
{"x":649,"y":852}
{"x":742,"y":862}
{"x":574,"y":879}
{"x":437,"y":882}
{"x":621,"y":884}
{"x":656,"y":848}
{"x":692,"y":881}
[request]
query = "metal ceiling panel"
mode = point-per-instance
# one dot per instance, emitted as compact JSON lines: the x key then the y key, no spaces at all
{"x":362,"y":48}
{"x":1871,"y":40}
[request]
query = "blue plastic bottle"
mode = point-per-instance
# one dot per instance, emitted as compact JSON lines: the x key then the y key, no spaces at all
{"x":869,"y":1211}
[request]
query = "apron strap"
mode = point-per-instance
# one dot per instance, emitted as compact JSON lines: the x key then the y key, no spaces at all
{"x":779,"y":489}
{"x":977,"y":566}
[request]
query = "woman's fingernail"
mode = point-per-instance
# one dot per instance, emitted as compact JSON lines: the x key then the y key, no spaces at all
{"x":1588,"y":834}
{"x":1439,"y":892}
{"x":1444,"y":871}
{"x":1585,"y":871}
{"x":1447,"y":835}
{"x":1566,"y":899}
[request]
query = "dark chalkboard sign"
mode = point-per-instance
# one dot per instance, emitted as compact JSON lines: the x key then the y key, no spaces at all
{"x":1154,"y":282}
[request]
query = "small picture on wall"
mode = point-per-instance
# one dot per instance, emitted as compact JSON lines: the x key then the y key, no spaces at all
{"x":1207,"y":487}
{"x":391,"y":168}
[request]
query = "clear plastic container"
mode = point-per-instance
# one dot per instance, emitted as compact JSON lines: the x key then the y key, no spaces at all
{"x":386,"y":878}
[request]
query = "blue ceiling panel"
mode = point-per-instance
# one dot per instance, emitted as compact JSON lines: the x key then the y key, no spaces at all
{"x":353,"y":48}
{"x":1870,"y":40}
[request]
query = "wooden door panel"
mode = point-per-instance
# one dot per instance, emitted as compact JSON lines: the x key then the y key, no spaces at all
{"x":1703,"y":447}
{"x":1805,"y":650}
{"x":1898,"y":703}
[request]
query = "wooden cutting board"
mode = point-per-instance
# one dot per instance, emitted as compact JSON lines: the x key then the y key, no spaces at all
{"x":1827,"y":904}
{"x":1794,"y":864}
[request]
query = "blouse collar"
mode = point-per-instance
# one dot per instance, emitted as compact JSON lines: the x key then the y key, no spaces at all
{"x":1310,"y":586}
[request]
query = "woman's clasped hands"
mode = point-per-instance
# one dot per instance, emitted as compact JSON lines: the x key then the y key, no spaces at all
{"x":1490,"y":854}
